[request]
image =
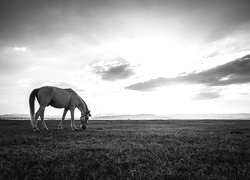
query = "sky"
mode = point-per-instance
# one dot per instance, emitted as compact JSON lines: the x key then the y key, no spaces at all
{"x":128,"y":57}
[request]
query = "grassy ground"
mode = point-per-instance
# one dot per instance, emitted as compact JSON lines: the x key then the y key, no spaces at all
{"x":127,"y":150}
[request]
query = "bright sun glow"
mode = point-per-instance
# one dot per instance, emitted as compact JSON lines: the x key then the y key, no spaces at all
{"x":155,"y":57}
{"x":152,"y":58}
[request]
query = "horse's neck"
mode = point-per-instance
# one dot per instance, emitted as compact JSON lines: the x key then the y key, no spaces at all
{"x":82,"y":105}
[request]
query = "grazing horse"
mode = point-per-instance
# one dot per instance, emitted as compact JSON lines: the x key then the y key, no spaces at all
{"x":57,"y":98}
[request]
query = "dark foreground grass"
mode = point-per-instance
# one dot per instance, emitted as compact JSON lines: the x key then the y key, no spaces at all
{"x":127,"y":150}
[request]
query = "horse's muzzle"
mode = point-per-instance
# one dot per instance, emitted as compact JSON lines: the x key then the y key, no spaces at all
{"x":84,"y":126}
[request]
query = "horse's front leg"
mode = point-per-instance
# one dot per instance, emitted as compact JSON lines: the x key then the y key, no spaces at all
{"x":73,"y":126}
{"x":63,"y":117}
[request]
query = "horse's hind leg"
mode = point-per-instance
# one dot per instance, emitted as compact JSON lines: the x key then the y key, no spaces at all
{"x":35,"y":128}
{"x":40,"y":112}
{"x":42,"y":118}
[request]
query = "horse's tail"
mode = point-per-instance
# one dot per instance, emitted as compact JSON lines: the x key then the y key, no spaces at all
{"x":33,"y":94}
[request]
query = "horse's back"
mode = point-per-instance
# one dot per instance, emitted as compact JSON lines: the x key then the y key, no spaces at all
{"x":54,"y":96}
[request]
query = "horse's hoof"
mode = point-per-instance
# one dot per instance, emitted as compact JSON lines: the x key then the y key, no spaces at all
{"x":36,"y":130}
{"x":60,"y":128}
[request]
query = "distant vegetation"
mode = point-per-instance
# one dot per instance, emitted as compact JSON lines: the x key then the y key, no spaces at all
{"x":127,"y":150}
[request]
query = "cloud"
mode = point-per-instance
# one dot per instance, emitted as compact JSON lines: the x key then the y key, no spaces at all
{"x":22,"y":49}
{"x":206,"y":95}
{"x":57,"y":83}
{"x":61,"y":84}
{"x":41,"y":24}
{"x":224,"y":18}
{"x":44,"y":22}
{"x":24,"y":82}
{"x":13,"y":61}
{"x":234,"y":72}
{"x":112,"y":70}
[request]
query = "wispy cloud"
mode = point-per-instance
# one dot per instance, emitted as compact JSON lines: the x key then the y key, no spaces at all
{"x":21,"y":49}
{"x":113,"y":70}
{"x":206,"y":94}
{"x":234,"y":72}
{"x":62,"y":84}
{"x":24,"y":82}
{"x":57,"y":83}
{"x":233,"y":19}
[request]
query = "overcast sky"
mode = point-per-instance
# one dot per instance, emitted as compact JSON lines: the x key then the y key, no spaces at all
{"x":128,"y":57}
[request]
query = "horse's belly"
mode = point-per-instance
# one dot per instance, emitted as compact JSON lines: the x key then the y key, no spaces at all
{"x":59,"y":104}
{"x":56,"y":105}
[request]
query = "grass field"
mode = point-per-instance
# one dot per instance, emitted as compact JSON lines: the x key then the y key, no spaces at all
{"x":178,"y":149}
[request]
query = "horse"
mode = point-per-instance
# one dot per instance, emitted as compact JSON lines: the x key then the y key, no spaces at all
{"x":57,"y":98}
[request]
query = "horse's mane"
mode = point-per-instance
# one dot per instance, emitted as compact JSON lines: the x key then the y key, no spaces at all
{"x":83,"y":102}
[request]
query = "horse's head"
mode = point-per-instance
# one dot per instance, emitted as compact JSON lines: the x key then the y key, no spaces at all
{"x":84,"y":119}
